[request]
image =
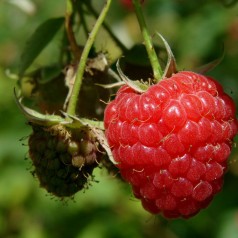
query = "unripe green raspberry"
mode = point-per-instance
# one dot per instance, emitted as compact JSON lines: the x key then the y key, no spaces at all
{"x":63,"y":158}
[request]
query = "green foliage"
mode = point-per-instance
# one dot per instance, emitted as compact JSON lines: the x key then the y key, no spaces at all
{"x":38,"y":41}
{"x":196,"y":31}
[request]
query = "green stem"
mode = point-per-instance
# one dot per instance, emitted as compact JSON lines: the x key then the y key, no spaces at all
{"x":71,"y":110}
{"x":107,"y":28}
{"x":157,"y":70}
{"x":69,"y":7}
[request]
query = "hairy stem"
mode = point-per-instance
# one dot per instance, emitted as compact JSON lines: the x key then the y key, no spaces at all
{"x":157,"y":70}
{"x":71,"y":110}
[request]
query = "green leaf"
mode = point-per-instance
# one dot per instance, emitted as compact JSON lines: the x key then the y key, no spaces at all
{"x":38,"y":41}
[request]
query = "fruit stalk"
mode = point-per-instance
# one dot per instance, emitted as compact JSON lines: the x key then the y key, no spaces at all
{"x":157,"y":70}
{"x":71,"y":110}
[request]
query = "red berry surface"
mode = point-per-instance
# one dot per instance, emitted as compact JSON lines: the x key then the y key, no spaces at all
{"x":172,"y":142}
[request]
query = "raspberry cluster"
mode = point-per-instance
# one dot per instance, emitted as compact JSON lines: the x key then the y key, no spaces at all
{"x":172,"y":142}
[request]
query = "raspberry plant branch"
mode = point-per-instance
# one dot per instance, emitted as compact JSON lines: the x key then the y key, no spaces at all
{"x":76,"y":51}
{"x":157,"y":70}
{"x":71,"y":109}
{"x":81,"y":12}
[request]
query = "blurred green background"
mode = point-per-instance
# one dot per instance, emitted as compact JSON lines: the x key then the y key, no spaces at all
{"x":197,"y":32}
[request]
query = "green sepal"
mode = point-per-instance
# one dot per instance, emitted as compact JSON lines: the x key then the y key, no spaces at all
{"x":134,"y":84}
{"x":171,"y":67}
{"x":36,"y":117}
{"x":111,"y":85}
{"x":100,"y":135}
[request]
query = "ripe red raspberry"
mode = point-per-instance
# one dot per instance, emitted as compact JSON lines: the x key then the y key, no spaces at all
{"x":172,"y":142}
